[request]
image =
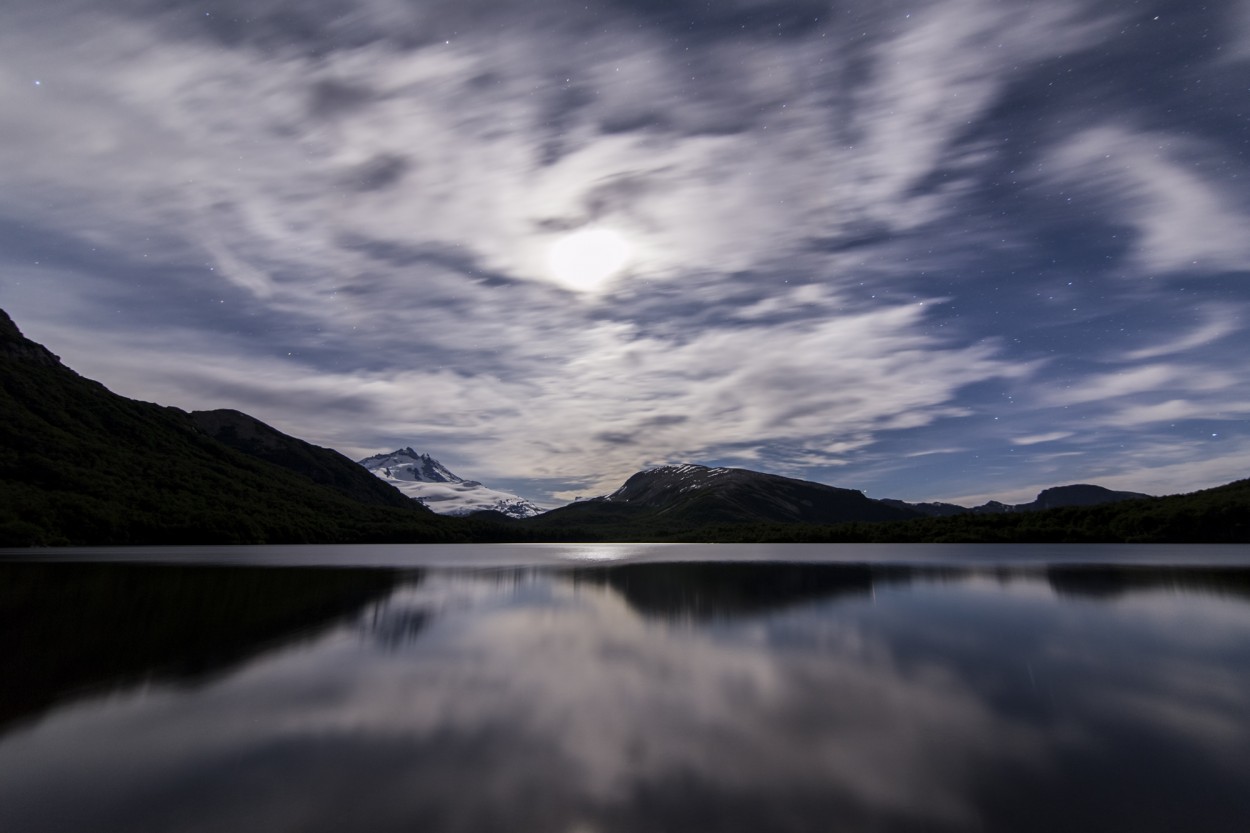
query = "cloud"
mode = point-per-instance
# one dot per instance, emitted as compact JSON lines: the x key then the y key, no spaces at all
{"x":940,"y":74}
{"x":1144,"y":379}
{"x":382,"y":171}
{"x":1048,"y":437}
{"x":1174,"y":410}
{"x":1158,"y":464}
{"x":278,"y":135}
{"x":1219,"y":322}
{"x":1151,"y":183}
{"x":1238,"y":33}
{"x":821,"y":391}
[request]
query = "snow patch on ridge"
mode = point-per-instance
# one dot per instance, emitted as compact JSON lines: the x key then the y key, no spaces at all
{"x":682,"y":476}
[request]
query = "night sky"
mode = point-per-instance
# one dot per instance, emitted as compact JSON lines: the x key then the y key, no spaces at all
{"x":954,"y":249}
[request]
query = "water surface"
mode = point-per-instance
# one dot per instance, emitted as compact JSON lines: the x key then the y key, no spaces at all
{"x":626,"y":688}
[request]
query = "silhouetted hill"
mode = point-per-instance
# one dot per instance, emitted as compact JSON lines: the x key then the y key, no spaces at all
{"x":689,"y":496}
{"x":1081,"y":494}
{"x":1210,"y":516}
{"x":82,"y":465}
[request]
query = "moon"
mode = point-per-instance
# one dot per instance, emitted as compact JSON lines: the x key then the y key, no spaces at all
{"x":588,"y":258}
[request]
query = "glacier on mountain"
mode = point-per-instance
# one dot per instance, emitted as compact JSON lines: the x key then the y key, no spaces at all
{"x":421,"y":477}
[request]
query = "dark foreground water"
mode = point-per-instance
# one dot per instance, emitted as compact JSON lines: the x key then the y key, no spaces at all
{"x":580,"y":689}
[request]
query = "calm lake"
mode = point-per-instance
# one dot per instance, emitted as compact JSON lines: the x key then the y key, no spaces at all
{"x":586,"y":688}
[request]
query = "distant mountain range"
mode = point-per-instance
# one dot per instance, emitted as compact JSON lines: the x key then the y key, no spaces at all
{"x":690,"y":495}
{"x":696,"y":503}
{"x":82,"y":465}
{"x":1080,"y":494}
{"x":422,"y":478}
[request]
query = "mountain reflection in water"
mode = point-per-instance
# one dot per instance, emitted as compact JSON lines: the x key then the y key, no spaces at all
{"x":649,"y":696}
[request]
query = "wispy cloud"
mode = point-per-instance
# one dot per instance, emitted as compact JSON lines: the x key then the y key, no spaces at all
{"x":1145,"y":379}
{"x":609,"y":394}
{"x":1218,"y":323}
{"x":1154,"y":184}
{"x":1179,"y":409}
{"x":1035,"y":439}
{"x":1151,"y":468}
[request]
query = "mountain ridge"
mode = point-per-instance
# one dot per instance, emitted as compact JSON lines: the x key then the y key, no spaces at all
{"x":1053,"y":497}
{"x":82,"y":465}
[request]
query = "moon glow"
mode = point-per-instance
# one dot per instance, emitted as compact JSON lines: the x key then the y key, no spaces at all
{"x":586,"y":259}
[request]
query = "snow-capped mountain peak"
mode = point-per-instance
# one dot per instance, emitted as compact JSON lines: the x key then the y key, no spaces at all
{"x":425,"y":479}
{"x":407,"y":465}
{"x":680,"y":477}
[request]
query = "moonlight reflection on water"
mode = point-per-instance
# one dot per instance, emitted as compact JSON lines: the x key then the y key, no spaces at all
{"x":640,"y":696}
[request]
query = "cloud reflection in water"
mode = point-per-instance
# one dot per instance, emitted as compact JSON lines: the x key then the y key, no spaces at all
{"x":686,"y":696}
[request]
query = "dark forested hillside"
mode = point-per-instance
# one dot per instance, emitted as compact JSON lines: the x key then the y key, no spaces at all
{"x":1218,"y":515}
{"x":323,"y":466}
{"x":82,"y":465}
{"x":1212,"y":516}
